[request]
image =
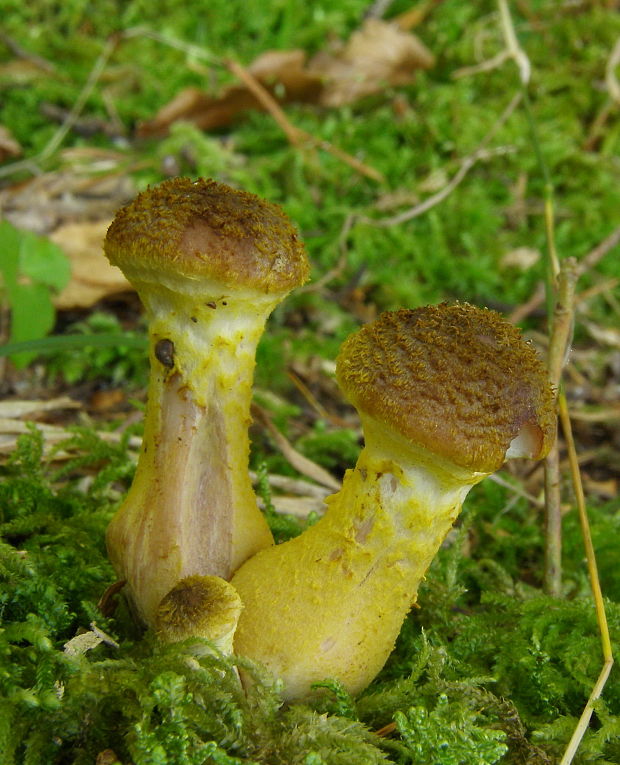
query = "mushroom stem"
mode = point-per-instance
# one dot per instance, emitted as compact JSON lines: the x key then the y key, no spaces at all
{"x":191,"y":508}
{"x":337,"y":596}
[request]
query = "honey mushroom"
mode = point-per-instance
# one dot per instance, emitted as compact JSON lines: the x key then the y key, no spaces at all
{"x":445,"y":394}
{"x":210,"y":263}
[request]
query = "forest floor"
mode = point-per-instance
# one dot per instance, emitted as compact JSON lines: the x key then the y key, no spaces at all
{"x":425,"y":155}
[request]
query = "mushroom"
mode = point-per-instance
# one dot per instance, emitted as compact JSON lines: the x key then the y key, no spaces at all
{"x":200,"y":606}
{"x":445,"y":393}
{"x":209,"y":263}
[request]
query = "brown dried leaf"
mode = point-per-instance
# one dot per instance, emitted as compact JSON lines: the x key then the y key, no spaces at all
{"x":280,"y":72}
{"x":92,"y":277}
{"x":9,"y":148}
{"x":379,"y":54}
{"x":46,"y":201}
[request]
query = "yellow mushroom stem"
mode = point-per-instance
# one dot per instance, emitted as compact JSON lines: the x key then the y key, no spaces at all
{"x":331,"y":602}
{"x":191,"y":508}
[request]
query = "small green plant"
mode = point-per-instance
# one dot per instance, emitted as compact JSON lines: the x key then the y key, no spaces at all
{"x":31,"y":269}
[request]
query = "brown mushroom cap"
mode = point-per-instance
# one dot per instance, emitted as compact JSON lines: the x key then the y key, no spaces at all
{"x":458,"y":380}
{"x":204,"y":229}
{"x":204,"y":606}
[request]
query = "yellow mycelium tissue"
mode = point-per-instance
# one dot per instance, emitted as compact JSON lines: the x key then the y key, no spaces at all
{"x":444,"y":392}
{"x":210,"y":264}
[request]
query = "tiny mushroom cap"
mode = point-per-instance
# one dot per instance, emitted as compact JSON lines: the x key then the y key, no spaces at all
{"x":205,"y":229}
{"x":456,"y":380}
{"x":199,"y":606}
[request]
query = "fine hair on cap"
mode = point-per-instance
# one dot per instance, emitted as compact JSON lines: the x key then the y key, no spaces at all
{"x":457,"y":380}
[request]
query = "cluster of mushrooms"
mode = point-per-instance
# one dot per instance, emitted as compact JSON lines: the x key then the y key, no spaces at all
{"x":445,"y":393}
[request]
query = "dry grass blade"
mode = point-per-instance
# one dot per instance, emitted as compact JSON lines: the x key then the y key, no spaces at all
{"x":301,"y":463}
{"x":73,"y":115}
{"x":467,"y":163}
{"x":601,"y":616}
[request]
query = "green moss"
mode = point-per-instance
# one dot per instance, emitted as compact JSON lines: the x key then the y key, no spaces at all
{"x":486,"y":668}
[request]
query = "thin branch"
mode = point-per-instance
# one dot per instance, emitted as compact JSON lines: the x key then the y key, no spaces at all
{"x":71,"y":118}
{"x":559,"y":343}
{"x":300,"y":462}
{"x":598,"y":253}
{"x":481,"y":153}
{"x":512,"y":44}
{"x":563,"y":321}
{"x":17,"y":50}
{"x":435,"y":199}
{"x":296,"y":136}
{"x":611,"y":81}
{"x":488,"y":65}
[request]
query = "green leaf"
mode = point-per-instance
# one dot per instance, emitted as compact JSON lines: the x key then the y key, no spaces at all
{"x":9,"y":254}
{"x":43,"y":261}
{"x":32,"y":316}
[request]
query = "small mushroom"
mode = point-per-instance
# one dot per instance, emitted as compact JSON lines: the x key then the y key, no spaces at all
{"x":209,"y":263}
{"x":445,"y":394}
{"x":200,"y":606}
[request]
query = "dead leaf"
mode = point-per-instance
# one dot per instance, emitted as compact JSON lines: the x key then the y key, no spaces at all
{"x":46,"y":201}
{"x":280,"y":72}
{"x":104,"y":400}
{"x":9,"y":148}
{"x":92,"y":277}
{"x":376,"y":56}
{"x":86,"y":641}
{"x":521,"y":258}
{"x":107,"y":757}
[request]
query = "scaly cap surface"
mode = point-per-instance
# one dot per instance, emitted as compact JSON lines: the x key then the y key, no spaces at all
{"x":204,"y":229}
{"x":459,"y":381}
{"x":199,"y":606}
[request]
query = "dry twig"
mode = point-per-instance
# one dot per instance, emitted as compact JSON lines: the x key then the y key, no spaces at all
{"x":296,"y":136}
{"x":561,"y":281}
{"x":300,"y":462}
{"x":601,"y":616}
{"x":559,"y":344}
